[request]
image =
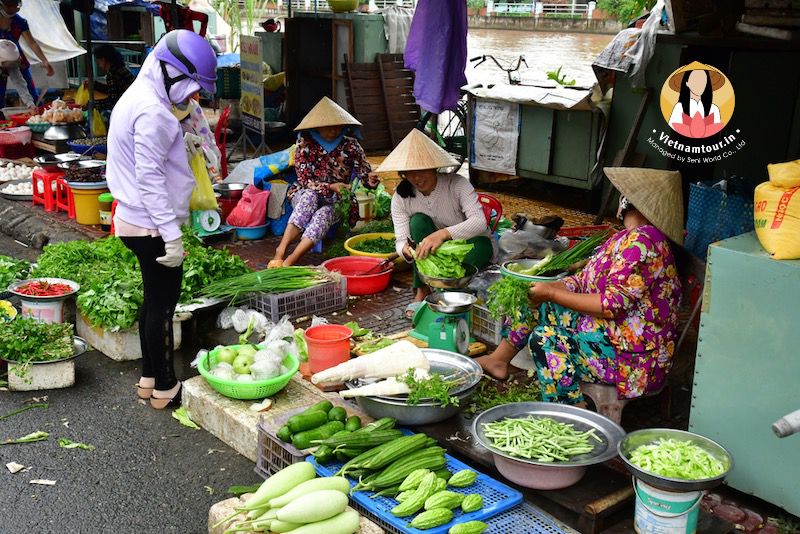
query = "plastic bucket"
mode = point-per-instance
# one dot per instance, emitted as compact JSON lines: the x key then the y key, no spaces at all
{"x":366,"y":208}
{"x":87,"y":205}
{"x":47,"y":311}
{"x":665,"y":512}
{"x":328,"y":346}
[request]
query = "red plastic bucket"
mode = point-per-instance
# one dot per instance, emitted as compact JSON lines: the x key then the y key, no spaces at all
{"x":358,"y":284}
{"x":328,"y":346}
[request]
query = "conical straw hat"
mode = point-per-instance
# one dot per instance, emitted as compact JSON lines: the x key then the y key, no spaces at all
{"x":326,"y":113}
{"x":717,"y":78}
{"x":416,"y":153}
{"x":657,"y":194}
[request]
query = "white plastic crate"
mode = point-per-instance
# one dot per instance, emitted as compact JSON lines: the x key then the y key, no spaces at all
{"x":317,"y":300}
{"x":484,"y":326}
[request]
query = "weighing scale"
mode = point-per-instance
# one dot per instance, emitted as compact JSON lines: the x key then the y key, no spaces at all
{"x":208,"y":223}
{"x":443,"y":321}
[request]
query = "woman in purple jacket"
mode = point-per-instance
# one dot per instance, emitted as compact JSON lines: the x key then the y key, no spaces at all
{"x":149,"y":175}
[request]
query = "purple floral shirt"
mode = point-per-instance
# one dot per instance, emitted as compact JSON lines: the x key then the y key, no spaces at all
{"x":635,"y":274}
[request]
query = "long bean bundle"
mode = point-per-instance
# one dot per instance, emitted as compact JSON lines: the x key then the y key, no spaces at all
{"x":563,"y":260}
{"x":538,"y":438}
{"x":277,"y":280}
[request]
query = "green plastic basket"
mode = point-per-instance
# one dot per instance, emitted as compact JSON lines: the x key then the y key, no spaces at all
{"x":246,"y":390}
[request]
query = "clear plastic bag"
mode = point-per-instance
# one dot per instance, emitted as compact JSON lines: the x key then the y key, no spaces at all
{"x":280,"y":331}
{"x":641,"y":52}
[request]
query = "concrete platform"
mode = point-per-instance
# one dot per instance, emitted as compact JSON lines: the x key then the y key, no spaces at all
{"x":231,"y":420}
{"x":227,"y":507}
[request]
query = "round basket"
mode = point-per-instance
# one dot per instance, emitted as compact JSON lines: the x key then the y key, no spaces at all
{"x":38,"y":127}
{"x":246,"y":390}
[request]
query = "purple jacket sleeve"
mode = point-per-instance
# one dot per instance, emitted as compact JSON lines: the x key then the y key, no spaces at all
{"x":152,"y":139}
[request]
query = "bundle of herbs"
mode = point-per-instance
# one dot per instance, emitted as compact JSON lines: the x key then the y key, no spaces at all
{"x":447,"y":261}
{"x":26,"y":340}
{"x":378,"y":245}
{"x":12,"y":270}
{"x":558,"y":263}
{"x":508,"y":297}
{"x":278,"y":280}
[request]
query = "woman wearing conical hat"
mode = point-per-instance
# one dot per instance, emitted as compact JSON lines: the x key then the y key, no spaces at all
{"x":328,"y":158}
{"x":695,"y":115}
{"x":431,"y":208}
{"x":615,"y":321}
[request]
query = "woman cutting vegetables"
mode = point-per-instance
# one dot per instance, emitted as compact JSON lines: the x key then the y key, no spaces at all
{"x":615,"y":321}
{"x":431,"y":208}
{"x":148,"y":173}
{"x":327,"y":159}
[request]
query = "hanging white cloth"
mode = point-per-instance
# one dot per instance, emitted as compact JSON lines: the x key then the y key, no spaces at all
{"x":48,"y":28}
{"x":396,"y":23}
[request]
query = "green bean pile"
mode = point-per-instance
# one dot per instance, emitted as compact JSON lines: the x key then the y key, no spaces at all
{"x":539,"y":438}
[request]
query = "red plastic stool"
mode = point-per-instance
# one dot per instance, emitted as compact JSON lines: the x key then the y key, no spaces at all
{"x":64,"y":198}
{"x":113,"y":211}
{"x":46,"y":194}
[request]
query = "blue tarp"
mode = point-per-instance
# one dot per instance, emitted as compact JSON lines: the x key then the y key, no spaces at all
{"x":228,"y":60}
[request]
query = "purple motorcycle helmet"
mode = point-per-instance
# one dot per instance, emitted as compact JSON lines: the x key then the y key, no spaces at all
{"x":192,"y":55}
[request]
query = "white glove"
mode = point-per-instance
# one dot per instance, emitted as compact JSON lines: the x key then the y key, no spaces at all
{"x":173,"y":256}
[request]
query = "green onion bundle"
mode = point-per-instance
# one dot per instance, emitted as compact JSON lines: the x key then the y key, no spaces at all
{"x":562,"y":261}
{"x":277,"y":280}
{"x":539,"y":438}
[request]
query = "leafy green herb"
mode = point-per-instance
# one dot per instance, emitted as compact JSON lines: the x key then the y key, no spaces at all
{"x":559,"y":78}
{"x":378,"y":245}
{"x":434,"y":387}
{"x":65,"y":443}
{"x":238,"y":491}
{"x":24,"y":408}
{"x":507,"y":297}
{"x":383,"y":200}
{"x":30,"y":438}
{"x":675,"y":458}
{"x":556,"y":263}
{"x":26,"y":340}
{"x":343,"y":206}
{"x":372,"y":345}
{"x":183,"y":418}
{"x":111,"y":282}
{"x":492,"y":393}
{"x":357,"y":330}
{"x":11,"y":270}
{"x":447,"y":261}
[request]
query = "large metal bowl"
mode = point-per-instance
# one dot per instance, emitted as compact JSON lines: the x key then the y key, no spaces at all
{"x":651,"y":435}
{"x":550,"y":475}
{"x":450,"y":302}
{"x":19,"y":283}
{"x":50,"y":162}
{"x":449,"y":364}
{"x":450,"y":283}
{"x":230,"y":191}
{"x":79,"y":346}
{"x":528,"y":264}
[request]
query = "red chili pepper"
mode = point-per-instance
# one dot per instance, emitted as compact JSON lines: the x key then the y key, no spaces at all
{"x":44,"y":289}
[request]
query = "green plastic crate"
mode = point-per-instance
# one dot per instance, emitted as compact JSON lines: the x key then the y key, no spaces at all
{"x":229,"y":83}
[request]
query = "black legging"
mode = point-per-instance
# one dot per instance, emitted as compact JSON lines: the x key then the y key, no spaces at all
{"x":162,"y":289}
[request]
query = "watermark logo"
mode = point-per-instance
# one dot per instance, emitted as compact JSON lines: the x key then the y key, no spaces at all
{"x":697,"y":102}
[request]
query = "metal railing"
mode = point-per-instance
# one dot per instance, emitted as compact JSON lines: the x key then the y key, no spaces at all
{"x":322,"y":5}
{"x":539,"y":9}
{"x":513,"y":8}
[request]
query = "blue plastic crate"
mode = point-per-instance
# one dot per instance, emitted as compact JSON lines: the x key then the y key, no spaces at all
{"x":497,"y":498}
{"x":527,"y":519}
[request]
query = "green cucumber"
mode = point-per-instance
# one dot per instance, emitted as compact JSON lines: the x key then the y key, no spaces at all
{"x":307,"y":421}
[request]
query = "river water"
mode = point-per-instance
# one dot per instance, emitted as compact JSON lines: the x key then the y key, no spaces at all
{"x":543,"y":51}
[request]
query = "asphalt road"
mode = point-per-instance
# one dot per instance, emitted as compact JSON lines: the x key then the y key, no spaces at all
{"x":147,"y":474}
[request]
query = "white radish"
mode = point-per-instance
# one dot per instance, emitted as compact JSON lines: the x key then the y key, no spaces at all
{"x":393,"y":360}
{"x":313,"y":507}
{"x":340,"y":484}
{"x":348,"y":522}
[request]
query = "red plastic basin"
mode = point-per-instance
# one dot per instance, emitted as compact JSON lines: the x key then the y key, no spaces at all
{"x":357,"y":284}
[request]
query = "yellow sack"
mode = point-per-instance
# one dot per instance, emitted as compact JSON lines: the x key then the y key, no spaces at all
{"x":82,"y":95}
{"x":777,"y":220}
{"x":784,"y":174}
{"x":98,"y":125}
{"x":203,"y":193}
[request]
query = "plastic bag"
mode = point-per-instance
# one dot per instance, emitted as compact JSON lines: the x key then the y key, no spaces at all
{"x":784,"y":174}
{"x":224,"y":371}
{"x":251,"y":209}
{"x":265,"y":369}
{"x":281,"y":331}
{"x":273,"y":164}
{"x":243,"y":172}
{"x":777,"y":220}
{"x":98,"y":124}
{"x":641,"y":52}
{"x":82,"y":95}
{"x":528,"y":242}
{"x":203,"y":197}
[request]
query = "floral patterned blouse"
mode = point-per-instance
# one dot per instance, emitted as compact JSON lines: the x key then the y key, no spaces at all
{"x":317,"y":169}
{"x":635,"y":274}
